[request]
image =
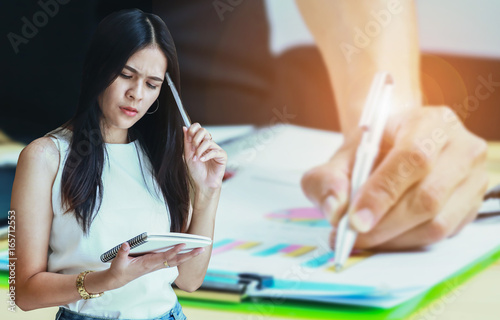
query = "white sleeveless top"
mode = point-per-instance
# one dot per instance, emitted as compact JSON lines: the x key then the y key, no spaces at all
{"x":128,"y":208}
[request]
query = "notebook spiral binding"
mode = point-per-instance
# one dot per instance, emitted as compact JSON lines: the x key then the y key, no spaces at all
{"x":134,"y":242}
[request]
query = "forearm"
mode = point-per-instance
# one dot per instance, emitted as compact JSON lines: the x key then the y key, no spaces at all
{"x":359,"y":38}
{"x":47,"y":289}
{"x":192,"y":272}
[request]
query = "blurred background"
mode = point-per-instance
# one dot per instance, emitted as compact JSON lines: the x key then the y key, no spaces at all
{"x":240,"y":60}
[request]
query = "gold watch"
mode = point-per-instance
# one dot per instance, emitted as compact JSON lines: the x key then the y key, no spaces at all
{"x":81,"y":288}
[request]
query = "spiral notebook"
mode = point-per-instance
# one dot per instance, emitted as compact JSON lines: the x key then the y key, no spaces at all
{"x":145,"y":243}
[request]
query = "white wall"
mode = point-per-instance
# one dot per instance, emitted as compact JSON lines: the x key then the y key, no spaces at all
{"x":287,"y":26}
{"x":461,"y":27}
{"x":464,"y":27}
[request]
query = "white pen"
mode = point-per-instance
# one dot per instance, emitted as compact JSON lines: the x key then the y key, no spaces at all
{"x":178,"y":101}
{"x":372,"y":124}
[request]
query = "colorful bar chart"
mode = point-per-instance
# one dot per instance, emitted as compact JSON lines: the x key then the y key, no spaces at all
{"x":271,"y":251}
{"x":257,"y":249}
{"x":288,"y":250}
{"x":230,"y":244}
{"x":284,"y":249}
{"x":352,"y":260}
{"x":226,"y":247}
{"x":302,"y":216}
{"x":328,"y":260}
{"x":299,"y":251}
{"x":319,"y":261}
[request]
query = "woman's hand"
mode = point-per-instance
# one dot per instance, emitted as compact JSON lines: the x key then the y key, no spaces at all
{"x":206,"y":161}
{"x":124,"y":268}
{"x":428,"y":184}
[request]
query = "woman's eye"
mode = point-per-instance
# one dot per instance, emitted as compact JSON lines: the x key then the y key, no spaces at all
{"x":125,"y":76}
{"x":151,"y":86}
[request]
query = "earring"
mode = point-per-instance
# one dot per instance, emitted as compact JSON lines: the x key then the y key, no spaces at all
{"x":157,"y":106}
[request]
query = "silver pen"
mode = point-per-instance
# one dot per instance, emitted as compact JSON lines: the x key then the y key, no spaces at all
{"x":372,"y":123}
{"x":178,"y":101}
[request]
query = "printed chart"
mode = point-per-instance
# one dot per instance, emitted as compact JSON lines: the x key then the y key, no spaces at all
{"x":308,"y":254}
{"x":311,"y":217}
{"x":328,"y":260}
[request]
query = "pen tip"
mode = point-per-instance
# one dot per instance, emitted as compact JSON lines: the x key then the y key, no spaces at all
{"x":338,"y":267}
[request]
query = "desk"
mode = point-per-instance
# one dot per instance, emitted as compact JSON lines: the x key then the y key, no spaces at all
{"x":477,"y":298}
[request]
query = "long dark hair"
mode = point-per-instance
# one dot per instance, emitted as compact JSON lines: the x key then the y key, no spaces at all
{"x":118,"y":37}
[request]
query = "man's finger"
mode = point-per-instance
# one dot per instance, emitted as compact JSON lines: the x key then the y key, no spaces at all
{"x":424,"y":200}
{"x":409,"y":161}
{"x":454,"y":213}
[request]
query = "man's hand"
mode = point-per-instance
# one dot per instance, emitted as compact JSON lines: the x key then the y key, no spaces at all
{"x":428,"y":182}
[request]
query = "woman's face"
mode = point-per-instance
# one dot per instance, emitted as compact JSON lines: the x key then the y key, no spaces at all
{"x":135,"y":90}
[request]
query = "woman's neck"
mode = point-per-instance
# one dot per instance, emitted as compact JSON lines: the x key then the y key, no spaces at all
{"x":114,"y":135}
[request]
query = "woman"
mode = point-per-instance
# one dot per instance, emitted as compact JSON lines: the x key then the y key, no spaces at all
{"x":113,"y":171}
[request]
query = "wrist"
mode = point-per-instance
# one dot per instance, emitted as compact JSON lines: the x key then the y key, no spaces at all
{"x":100,"y":281}
{"x":205,"y":203}
{"x":206,"y":195}
{"x":86,"y":288}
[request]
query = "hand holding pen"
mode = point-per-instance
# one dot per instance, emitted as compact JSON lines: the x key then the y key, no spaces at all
{"x":427,"y":183}
{"x":205,"y":159}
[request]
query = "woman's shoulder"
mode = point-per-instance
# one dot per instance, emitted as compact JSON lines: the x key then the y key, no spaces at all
{"x":62,"y":134}
{"x":41,"y":153}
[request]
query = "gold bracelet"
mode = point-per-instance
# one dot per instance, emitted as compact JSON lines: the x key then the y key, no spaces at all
{"x":81,"y":288}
